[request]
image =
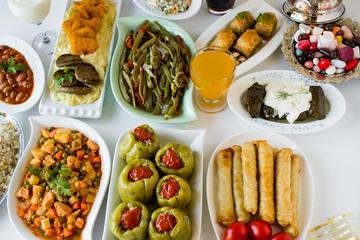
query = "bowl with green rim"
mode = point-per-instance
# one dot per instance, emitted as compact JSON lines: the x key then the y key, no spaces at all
{"x":125,"y":25}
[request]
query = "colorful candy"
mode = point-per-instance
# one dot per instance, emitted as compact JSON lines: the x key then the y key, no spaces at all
{"x":351,"y":64}
{"x":303,"y":44}
{"x":324,"y":64}
{"x":346,"y":54}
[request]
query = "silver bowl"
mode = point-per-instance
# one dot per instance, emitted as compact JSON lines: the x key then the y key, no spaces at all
{"x":313,"y":11}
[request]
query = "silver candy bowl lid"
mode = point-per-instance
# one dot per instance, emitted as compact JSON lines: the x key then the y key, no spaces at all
{"x":313,"y":11}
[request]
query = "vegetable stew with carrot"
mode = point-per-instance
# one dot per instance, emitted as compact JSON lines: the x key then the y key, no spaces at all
{"x":60,"y":185}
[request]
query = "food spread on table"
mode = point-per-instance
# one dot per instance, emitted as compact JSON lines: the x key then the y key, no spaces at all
{"x":16,"y":76}
{"x":257,"y":179}
{"x":293,"y":101}
{"x":82,"y":53}
{"x":245,"y":34}
{"x":171,"y":6}
{"x":154,"y":70}
{"x":140,"y":184}
{"x":60,"y":184}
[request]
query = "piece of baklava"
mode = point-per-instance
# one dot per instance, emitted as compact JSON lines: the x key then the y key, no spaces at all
{"x":224,"y":39}
{"x":241,"y":22}
{"x":265,"y":24}
{"x":248,"y":42}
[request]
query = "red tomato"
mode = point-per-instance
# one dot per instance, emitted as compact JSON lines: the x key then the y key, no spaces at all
{"x":236,"y":231}
{"x":260,"y":230}
{"x":281,"y":236}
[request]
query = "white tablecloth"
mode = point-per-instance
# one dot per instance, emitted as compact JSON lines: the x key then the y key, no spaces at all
{"x":333,"y":152}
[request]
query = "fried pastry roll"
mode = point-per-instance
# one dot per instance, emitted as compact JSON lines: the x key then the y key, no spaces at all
{"x":225,"y":194}
{"x":282,"y":187}
{"x":249,"y":169}
{"x":238,"y":186}
{"x":293,"y":228}
{"x":266,"y":181}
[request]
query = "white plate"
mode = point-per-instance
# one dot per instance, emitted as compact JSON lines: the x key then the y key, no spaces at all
{"x":255,"y":7}
{"x":306,"y":187}
{"x":36,"y":66}
{"x":48,"y":106}
{"x":237,"y":93}
{"x":147,"y":7}
{"x":195,"y":140}
{"x":5,"y":117}
{"x":37,"y":123}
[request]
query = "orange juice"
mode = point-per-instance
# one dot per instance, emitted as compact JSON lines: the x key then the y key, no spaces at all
{"x":212,"y":73}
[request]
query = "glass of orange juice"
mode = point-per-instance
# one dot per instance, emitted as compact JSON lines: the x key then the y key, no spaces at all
{"x":212,"y":72}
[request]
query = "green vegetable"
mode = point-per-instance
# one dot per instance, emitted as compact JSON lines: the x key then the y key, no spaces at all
{"x":34,"y":170}
{"x":65,"y":171}
{"x":183,"y":152}
{"x":9,"y":66}
{"x":61,"y":186}
{"x":131,"y":148}
{"x":59,"y":80}
{"x":141,"y":190}
{"x":282,"y":95}
{"x":139,"y":232}
{"x":180,"y":200}
{"x":181,"y":231}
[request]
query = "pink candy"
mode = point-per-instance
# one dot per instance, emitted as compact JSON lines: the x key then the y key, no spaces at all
{"x":309,"y":64}
{"x":347,"y":32}
{"x":313,"y":38}
{"x":346,"y":54}
{"x":318,"y":55}
{"x":303,"y":45}
{"x":327,"y":42}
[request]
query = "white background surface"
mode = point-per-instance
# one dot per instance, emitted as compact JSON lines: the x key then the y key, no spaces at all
{"x":334,"y":152}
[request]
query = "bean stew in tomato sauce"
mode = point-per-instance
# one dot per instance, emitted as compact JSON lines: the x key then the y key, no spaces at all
{"x":60,"y":184}
{"x":16,"y":76}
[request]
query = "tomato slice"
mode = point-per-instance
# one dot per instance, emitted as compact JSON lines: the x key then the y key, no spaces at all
{"x":236,"y":231}
{"x":139,"y":173}
{"x":169,"y":188}
{"x":260,"y":230}
{"x":165,"y":222}
{"x":143,"y":135}
{"x":130,"y":218}
{"x":171,"y":160}
{"x":281,"y":236}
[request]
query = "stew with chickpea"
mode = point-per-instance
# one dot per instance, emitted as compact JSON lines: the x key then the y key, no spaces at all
{"x":60,"y":184}
{"x":16,"y":76}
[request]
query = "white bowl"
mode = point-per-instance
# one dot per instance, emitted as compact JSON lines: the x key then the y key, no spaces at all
{"x":37,"y":123}
{"x":36,"y":66}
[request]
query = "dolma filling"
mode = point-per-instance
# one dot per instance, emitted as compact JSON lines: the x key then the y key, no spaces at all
{"x":169,"y":188}
{"x":165,"y":222}
{"x":139,"y":173}
{"x":130,"y":219}
{"x":171,"y":160}
{"x":143,"y":135}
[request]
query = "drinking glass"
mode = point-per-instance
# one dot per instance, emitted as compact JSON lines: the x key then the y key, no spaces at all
{"x":219,"y":7}
{"x":34,"y":12}
{"x":212,"y":72}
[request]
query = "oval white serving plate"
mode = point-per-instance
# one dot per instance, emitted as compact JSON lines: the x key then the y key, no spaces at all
{"x":5,"y":117}
{"x":195,"y":140}
{"x":37,"y":123}
{"x":36,"y":66}
{"x":191,"y":11}
{"x":306,"y":187}
{"x":48,"y":106}
{"x":255,"y":7}
{"x":237,"y":93}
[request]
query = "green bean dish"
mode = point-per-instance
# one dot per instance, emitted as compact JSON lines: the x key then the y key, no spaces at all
{"x":154,"y":70}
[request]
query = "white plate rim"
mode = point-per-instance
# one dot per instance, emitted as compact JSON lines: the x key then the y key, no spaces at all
{"x":147,"y":7}
{"x":253,"y":6}
{"x":36,"y":66}
{"x":48,"y":106}
{"x":51,"y":121}
{"x":200,"y":135}
{"x":332,"y":94}
{"x":211,"y":184}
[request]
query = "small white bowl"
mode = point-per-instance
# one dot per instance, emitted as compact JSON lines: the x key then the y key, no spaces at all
{"x":36,"y":66}
{"x":37,"y":123}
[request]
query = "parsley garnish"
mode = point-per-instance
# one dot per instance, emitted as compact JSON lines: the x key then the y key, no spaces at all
{"x":282,"y":95}
{"x":9,"y":66}
{"x":34,"y":170}
{"x":65,"y":171}
{"x":59,"y":80}
{"x":61,"y":186}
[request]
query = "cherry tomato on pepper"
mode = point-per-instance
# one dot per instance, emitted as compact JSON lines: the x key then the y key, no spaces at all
{"x":260,"y":230}
{"x":236,"y":231}
{"x":281,"y":236}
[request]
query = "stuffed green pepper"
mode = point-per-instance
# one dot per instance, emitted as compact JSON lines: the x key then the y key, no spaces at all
{"x":169,"y":224}
{"x":138,"y":180}
{"x":175,"y":158}
{"x":142,"y":142}
{"x":130,"y":221}
{"x":173,"y":191}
